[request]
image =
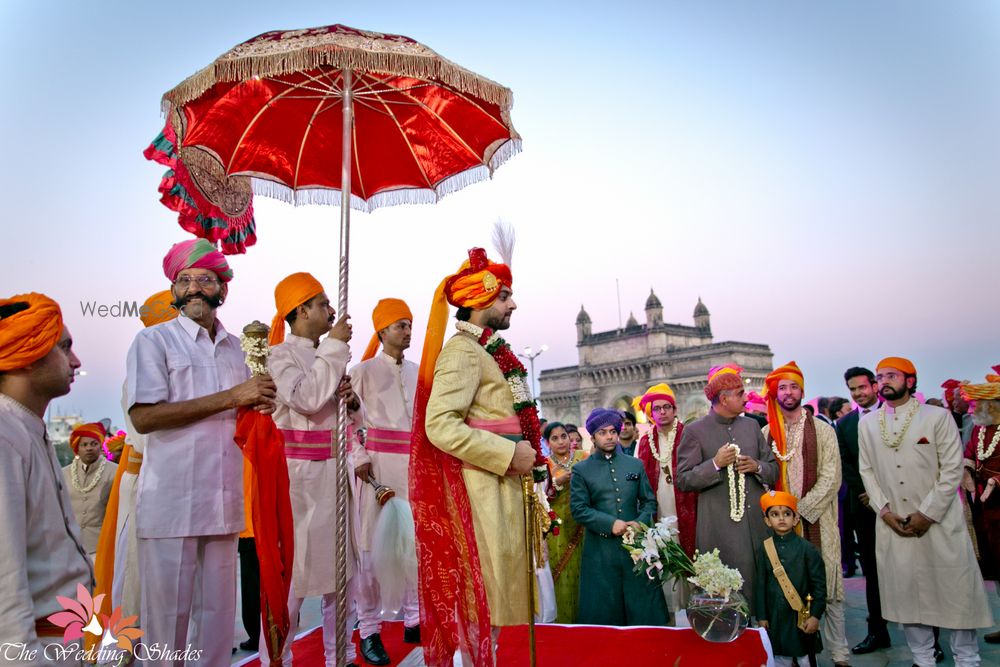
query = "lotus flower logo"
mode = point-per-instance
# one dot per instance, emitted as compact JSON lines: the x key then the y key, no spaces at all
{"x":80,"y":617}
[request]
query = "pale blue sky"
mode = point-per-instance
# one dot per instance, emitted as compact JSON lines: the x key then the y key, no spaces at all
{"x":821,"y":174}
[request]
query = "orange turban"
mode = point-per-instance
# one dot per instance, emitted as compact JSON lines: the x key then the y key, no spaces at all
{"x":990,"y":391}
{"x":658,"y":392}
{"x":291,"y":293}
{"x":95,"y":430}
{"x":387,"y":312}
{"x":775,"y":418}
{"x":157,"y":309}
{"x":721,"y":378}
{"x":899,"y":363}
{"x":778,"y":499}
{"x":28,"y":334}
{"x":477,"y":283}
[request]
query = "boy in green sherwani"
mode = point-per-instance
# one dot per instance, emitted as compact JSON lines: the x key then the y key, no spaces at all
{"x":609,"y":491}
{"x":805,"y":572}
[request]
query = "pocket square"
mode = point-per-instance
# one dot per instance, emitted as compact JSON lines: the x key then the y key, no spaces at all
{"x":923,"y":441}
{"x":632,"y":477}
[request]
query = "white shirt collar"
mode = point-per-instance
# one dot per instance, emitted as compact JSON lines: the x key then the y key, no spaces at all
{"x":192,"y":328}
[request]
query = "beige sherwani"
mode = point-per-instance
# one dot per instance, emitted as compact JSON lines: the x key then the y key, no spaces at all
{"x":386,"y":390}
{"x":819,"y":506}
{"x":89,"y":506}
{"x":931,"y":580}
{"x":468,"y":385}
{"x":307,"y":378}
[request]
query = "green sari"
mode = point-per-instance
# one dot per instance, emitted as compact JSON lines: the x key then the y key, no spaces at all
{"x":566,"y":549}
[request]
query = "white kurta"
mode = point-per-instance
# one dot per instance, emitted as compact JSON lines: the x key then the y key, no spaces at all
{"x":387,"y":390}
{"x":932,"y":580}
{"x":125,"y":585}
{"x":191,"y":481}
{"x":307,"y":378}
{"x":41,"y":554}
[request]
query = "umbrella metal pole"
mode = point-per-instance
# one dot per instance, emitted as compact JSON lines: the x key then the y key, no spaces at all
{"x":342,"y":477}
{"x":527,"y":491}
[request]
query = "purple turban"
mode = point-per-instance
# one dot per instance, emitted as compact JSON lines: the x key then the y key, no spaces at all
{"x":196,"y":254}
{"x":602,"y":417}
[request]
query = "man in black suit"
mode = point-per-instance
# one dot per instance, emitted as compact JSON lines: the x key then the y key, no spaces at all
{"x":861,"y":383}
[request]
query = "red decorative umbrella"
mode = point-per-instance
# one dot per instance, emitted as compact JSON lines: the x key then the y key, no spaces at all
{"x":334,"y":113}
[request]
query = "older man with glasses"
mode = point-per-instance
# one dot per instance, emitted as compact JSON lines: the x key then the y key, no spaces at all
{"x":724,"y":457}
{"x":186,"y":377}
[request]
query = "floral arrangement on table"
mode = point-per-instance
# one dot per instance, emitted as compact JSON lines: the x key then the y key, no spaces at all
{"x":718,"y":611}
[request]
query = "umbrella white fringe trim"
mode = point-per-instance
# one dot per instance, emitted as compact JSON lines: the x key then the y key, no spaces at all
{"x":331,"y":197}
{"x":428,"y":66}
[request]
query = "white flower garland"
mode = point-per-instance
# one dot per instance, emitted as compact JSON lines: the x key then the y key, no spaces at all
{"x":257,"y":351}
{"x":981,"y":451}
{"x":906,"y":425}
{"x":737,"y":491}
{"x":665,"y":454}
{"x":791,"y":436}
{"x":74,"y":476}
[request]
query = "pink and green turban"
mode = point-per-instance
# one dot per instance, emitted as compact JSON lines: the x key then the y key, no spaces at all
{"x":196,"y":254}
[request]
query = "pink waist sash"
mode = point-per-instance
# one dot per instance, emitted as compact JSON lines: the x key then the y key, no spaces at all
{"x":308,"y":445}
{"x":504,"y":426}
{"x":387,"y":441}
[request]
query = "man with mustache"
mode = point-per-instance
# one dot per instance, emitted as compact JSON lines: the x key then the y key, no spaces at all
{"x":89,"y":477}
{"x":311,"y":378}
{"x":911,"y":466}
{"x":809,"y":468}
{"x":386,"y":383}
{"x":185,"y":379}
{"x":41,"y":553}
{"x":469,"y":449}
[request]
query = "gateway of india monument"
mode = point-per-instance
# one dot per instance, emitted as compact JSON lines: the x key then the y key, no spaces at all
{"x":617,"y":365}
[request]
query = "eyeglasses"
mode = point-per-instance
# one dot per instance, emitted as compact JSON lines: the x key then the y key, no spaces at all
{"x":662,"y":408}
{"x":202,"y":281}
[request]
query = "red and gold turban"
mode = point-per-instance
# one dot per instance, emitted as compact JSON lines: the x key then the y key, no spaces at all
{"x":721,"y":378}
{"x":988,"y":391}
{"x":28,"y":335}
{"x":658,"y":392}
{"x":899,"y":363}
{"x":291,"y":292}
{"x":196,"y":254}
{"x":775,"y":418}
{"x":778,"y":499}
{"x":387,"y":312}
{"x":94,"y":430}
{"x":158,"y":309}
{"x":477,"y":283}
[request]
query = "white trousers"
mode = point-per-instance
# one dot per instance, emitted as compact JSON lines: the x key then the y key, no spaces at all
{"x":189,"y":598}
{"x":834,"y":633}
{"x":786,"y":661}
{"x":370,"y":601}
{"x":330,"y":635}
{"x":920,"y":639}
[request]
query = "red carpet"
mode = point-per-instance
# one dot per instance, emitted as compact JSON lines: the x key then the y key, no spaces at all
{"x":577,"y":646}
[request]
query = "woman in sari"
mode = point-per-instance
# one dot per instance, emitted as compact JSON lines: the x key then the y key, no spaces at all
{"x":565,"y":548}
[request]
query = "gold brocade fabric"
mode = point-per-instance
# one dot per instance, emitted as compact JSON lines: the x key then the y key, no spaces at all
{"x":469,"y":385}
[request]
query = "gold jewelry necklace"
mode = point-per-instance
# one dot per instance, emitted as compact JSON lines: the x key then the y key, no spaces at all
{"x":564,"y":466}
{"x":74,"y":475}
{"x":906,"y":425}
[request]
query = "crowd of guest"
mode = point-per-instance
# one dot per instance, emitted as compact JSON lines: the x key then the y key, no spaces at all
{"x":904,"y":483}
